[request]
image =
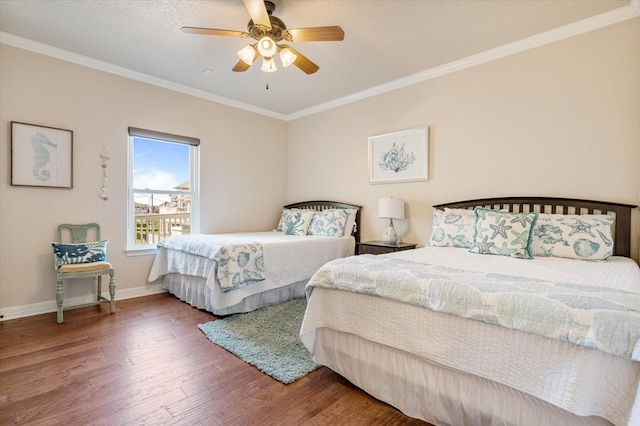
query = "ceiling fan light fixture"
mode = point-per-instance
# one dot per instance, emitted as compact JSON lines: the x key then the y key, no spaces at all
{"x":267,"y":47}
{"x":247,"y":54}
{"x":270,"y":30}
{"x":287,"y":56}
{"x":269,"y":65}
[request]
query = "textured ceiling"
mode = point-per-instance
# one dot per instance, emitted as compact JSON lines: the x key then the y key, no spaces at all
{"x":385,"y":40}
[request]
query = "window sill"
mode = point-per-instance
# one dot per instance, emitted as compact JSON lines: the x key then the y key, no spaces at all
{"x":141,"y":252}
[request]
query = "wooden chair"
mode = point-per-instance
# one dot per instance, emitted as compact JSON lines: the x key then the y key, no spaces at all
{"x":89,"y":269}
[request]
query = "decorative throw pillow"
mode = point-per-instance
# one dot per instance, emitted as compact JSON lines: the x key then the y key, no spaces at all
{"x":453,"y":228}
{"x":329,"y":222}
{"x":503,"y":233}
{"x":587,"y":237}
{"x":284,"y":217}
{"x":295,"y":221}
{"x":350,"y":227}
{"x":64,"y":254}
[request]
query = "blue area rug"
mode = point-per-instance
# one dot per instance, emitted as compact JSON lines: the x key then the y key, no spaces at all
{"x":267,"y":338}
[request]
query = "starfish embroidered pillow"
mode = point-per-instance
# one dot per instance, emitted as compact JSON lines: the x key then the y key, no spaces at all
{"x":586,"y":237}
{"x":503,"y":233}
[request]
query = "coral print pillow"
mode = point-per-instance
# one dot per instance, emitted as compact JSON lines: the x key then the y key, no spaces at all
{"x":453,"y":228}
{"x":587,"y":237}
{"x":503,"y":233}
{"x":295,"y":221}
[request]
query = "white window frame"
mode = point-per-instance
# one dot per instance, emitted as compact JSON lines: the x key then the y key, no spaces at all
{"x":133,"y":249}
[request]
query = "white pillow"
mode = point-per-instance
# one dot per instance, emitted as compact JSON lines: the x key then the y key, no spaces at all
{"x":587,"y":237}
{"x":453,"y":228}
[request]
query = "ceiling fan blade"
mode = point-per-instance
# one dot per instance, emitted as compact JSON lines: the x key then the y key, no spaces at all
{"x":258,"y":12}
{"x":303,"y":62}
{"x":243,"y":66}
{"x":334,"y":33}
{"x":216,"y":32}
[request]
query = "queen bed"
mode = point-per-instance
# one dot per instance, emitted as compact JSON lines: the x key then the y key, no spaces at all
{"x":455,"y":337}
{"x":240,"y":272}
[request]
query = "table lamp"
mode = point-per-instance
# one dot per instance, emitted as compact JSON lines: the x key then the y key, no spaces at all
{"x":391,"y":208}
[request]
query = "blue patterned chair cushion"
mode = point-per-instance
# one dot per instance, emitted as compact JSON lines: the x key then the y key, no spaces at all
{"x":587,"y":237}
{"x":330,"y":223}
{"x":295,"y":221}
{"x":503,"y":233}
{"x":453,"y":228}
{"x":65,"y":254}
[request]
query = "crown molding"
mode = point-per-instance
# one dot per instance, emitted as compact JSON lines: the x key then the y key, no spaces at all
{"x":576,"y":28}
{"x":65,"y":55}
{"x":570,"y":30}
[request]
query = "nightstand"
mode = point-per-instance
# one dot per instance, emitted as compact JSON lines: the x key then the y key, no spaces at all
{"x":380,"y":247}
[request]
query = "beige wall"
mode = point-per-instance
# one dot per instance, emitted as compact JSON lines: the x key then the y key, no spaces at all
{"x":560,"y":120}
{"x":99,"y":107}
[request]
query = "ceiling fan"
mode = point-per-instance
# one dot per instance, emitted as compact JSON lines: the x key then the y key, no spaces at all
{"x":269,"y":30}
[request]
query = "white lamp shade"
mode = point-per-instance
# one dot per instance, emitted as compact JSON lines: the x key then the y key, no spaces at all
{"x":269,"y":65}
{"x":247,"y":54}
{"x":390,"y":207}
{"x":267,"y":47}
{"x":287,"y":57}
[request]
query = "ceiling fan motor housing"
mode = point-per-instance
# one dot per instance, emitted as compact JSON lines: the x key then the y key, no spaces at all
{"x":259,"y":31}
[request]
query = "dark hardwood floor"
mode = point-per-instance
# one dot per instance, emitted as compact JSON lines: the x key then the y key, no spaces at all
{"x":148,"y":364}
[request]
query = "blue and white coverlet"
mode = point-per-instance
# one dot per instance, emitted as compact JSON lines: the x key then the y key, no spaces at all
{"x":288,"y":259}
{"x":593,"y":316}
{"x":238,"y":262}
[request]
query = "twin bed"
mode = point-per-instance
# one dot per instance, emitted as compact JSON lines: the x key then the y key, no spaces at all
{"x":531,"y":334}
{"x":231,"y":273}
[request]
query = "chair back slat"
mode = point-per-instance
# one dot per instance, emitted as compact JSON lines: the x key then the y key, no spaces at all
{"x":79,"y":233}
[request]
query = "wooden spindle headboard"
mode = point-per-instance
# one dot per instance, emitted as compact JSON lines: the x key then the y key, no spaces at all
{"x":621,"y":213}
{"x":323,"y":205}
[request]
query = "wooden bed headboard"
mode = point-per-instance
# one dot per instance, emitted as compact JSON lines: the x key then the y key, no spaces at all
{"x":323,"y":205}
{"x":621,"y":213}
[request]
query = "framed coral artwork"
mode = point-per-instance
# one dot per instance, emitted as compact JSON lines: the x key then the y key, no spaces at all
{"x":399,"y":157}
{"x":41,"y":156}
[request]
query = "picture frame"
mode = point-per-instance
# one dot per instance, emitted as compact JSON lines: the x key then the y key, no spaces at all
{"x":41,"y":156}
{"x":399,"y":157}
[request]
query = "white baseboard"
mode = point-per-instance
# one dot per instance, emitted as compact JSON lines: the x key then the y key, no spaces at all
{"x":15,"y":312}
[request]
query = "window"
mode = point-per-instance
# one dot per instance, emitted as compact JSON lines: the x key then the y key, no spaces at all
{"x":163,"y":188}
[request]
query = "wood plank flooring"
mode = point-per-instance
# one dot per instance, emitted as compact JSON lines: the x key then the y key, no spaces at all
{"x":148,"y":364}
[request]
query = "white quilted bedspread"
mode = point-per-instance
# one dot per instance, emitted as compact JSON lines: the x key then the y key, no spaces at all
{"x":287,"y":259}
{"x":581,"y":380}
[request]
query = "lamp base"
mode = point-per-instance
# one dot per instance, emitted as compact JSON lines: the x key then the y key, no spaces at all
{"x":390,"y":236}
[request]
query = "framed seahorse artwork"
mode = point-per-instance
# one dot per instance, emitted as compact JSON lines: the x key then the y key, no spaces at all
{"x":399,"y":157}
{"x":41,"y":156}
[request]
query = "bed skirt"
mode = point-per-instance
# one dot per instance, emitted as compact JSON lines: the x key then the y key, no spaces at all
{"x":431,"y":392}
{"x":194,"y":291}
